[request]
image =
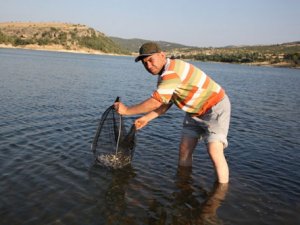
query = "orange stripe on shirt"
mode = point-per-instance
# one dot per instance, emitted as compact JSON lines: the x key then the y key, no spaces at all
{"x":189,"y":96}
{"x":156,"y":96}
{"x":213,"y":100}
{"x":206,"y":82}
{"x":160,"y":97}
{"x":170,"y":76}
{"x":189,"y":75}
{"x":172,"y":65}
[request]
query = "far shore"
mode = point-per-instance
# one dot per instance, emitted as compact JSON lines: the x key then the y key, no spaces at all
{"x":59,"y":48}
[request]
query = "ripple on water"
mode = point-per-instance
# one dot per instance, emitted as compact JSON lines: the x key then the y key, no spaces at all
{"x":48,"y":117}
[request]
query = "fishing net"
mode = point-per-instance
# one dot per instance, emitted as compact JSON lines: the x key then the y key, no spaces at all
{"x":113,"y":146}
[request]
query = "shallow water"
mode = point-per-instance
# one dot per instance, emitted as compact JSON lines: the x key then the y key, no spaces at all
{"x":50,"y":105}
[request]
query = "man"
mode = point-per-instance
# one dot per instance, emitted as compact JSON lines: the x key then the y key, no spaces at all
{"x":206,"y":105}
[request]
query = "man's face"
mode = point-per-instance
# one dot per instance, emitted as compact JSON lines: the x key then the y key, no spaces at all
{"x":154,"y":63}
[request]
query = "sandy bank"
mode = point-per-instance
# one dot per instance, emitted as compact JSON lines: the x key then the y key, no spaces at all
{"x":59,"y":48}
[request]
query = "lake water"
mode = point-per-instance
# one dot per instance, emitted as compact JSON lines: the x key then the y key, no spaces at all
{"x":51,"y":103}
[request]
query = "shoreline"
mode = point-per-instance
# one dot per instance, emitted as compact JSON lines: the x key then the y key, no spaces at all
{"x":60,"y":48}
{"x":277,"y":65}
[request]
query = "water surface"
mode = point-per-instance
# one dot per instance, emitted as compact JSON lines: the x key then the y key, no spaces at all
{"x":50,"y":106}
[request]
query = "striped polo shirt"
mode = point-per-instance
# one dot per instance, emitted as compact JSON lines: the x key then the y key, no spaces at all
{"x":188,"y":87}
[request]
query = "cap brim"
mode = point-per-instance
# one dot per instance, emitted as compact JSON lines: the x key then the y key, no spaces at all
{"x":141,"y":57}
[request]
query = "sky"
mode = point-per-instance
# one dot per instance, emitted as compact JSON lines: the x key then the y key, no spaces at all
{"x":201,"y":23}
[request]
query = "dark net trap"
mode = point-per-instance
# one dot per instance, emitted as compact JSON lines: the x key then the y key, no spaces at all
{"x":113,"y":145}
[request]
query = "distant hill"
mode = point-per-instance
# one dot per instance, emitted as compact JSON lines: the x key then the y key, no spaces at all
{"x":81,"y":38}
{"x":281,"y":55}
{"x":59,"y":36}
{"x":134,"y":44}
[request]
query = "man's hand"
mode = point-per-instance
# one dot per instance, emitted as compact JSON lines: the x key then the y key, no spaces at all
{"x":144,"y":120}
{"x":141,"y":122}
{"x":120,"y":108}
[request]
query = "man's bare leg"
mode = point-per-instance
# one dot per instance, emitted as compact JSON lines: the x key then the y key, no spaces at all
{"x":216,"y":153}
{"x":186,"y":150}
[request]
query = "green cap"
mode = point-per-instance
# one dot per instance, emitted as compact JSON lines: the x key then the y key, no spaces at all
{"x":148,"y":49}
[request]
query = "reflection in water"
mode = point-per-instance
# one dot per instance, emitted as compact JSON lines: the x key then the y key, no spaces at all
{"x":113,"y":193}
{"x":186,"y":206}
{"x":116,"y":205}
{"x":208,"y":212}
{"x":199,"y":213}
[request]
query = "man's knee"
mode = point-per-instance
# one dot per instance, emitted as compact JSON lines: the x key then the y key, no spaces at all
{"x":215,"y":149}
{"x":187,"y":146}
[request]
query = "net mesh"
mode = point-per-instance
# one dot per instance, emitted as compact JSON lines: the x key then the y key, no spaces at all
{"x":113,"y":146}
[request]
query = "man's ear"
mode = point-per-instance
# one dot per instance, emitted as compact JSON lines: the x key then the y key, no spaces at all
{"x":163,"y":54}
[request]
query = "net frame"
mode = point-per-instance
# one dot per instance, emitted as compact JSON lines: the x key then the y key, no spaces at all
{"x":112,"y":145}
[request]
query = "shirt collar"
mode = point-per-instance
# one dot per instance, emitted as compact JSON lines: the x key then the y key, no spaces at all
{"x":166,"y":66}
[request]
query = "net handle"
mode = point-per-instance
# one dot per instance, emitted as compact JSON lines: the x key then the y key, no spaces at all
{"x":120,"y":127}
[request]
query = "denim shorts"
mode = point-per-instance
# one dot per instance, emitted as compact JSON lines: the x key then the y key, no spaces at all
{"x":213,"y":126}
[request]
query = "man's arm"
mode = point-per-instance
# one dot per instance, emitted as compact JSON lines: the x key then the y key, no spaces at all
{"x":144,"y":120}
{"x":144,"y":107}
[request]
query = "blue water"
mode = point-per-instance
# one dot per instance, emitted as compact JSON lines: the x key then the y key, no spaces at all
{"x":50,"y":106}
